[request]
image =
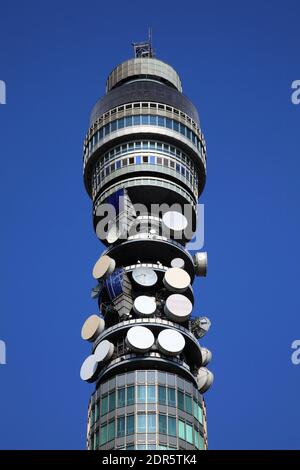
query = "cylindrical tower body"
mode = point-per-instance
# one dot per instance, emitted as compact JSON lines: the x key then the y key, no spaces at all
{"x":144,"y":169}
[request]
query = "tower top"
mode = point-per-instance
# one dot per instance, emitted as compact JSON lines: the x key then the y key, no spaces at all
{"x":144,"y":49}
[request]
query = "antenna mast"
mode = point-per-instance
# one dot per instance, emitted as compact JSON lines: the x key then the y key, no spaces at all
{"x":144,"y":49}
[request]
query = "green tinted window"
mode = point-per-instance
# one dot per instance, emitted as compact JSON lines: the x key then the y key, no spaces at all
{"x":162,"y":424}
{"x":200,"y":414}
{"x":180,"y":398}
{"x":130,"y":395}
{"x":171,"y":397}
{"x":121,"y":426}
{"x":181,"y":429}
{"x":112,"y":401}
{"x":189,"y":434}
{"x":130,"y":424}
{"x":188,"y":404}
{"x":104,"y":405}
{"x":171,"y":426}
{"x":103,"y":434}
{"x":121,"y":397}
{"x":161,"y":395}
{"x":111,"y":430}
{"x":195,"y":409}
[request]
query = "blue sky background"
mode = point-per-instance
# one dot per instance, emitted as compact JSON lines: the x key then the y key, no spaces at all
{"x":237,"y":61}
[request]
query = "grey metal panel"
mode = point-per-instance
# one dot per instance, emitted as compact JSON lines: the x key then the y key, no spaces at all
{"x":143,"y":66}
{"x":151,"y":406}
{"x":144,"y":91}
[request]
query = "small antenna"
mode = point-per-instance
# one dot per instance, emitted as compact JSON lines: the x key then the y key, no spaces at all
{"x":144,"y":49}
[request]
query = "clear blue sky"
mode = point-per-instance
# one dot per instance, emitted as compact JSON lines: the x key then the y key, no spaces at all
{"x":237,"y":61}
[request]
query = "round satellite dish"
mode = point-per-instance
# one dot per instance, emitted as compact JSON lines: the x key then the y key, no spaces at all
{"x":178,"y":308}
{"x":140,"y":339}
{"x":200,"y":263}
{"x":115,"y":232}
{"x":175,"y":221}
{"x":104,"y":351}
{"x":104,"y":267}
{"x":176,"y":280}
{"x":206,"y":356}
{"x":204,"y":379}
{"x":144,"y":306}
{"x":89,"y":369}
{"x":177,"y":263}
{"x":170,"y":342}
{"x":145,"y":277}
{"x":92,"y":327}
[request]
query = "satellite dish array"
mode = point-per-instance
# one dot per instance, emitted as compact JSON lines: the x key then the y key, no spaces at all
{"x":140,"y":339}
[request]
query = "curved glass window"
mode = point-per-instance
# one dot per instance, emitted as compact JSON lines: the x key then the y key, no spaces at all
{"x":121,"y":426}
{"x":112,"y":401}
{"x":111,"y":430}
{"x":103,"y":434}
{"x":130,"y":424}
{"x":162,"y":395}
{"x":162,"y":424}
{"x":104,"y":405}
{"x":171,"y":426}
{"x":171,"y":397}
{"x":144,"y":120}
{"x":121,"y":397}
{"x":185,"y":168}
{"x":130,"y":395}
{"x":141,"y":423}
{"x":189,"y":433}
{"x":151,"y":395}
{"x":141,"y":394}
{"x":181,"y":429}
{"x":151,"y":424}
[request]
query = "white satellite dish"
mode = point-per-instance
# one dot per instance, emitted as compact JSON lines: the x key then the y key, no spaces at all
{"x":144,"y":276}
{"x":104,"y":267}
{"x":176,"y":280}
{"x":170,"y":342}
{"x":113,"y":234}
{"x":104,"y":351}
{"x":174,"y":220}
{"x":204,"y":379}
{"x":140,"y":339}
{"x":89,"y":368}
{"x":206,"y":356}
{"x":144,"y":306}
{"x":92,"y":327}
{"x":200,"y":263}
{"x":178,"y":308}
{"x":177,"y":263}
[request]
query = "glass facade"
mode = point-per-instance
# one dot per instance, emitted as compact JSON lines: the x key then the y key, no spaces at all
{"x":146,"y":408}
{"x":145,"y":120}
{"x":166,"y":157}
